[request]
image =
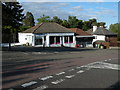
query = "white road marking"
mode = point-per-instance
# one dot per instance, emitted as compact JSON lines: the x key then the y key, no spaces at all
{"x":71,"y":70}
{"x":81,"y":71}
{"x":70,"y":76}
{"x":29,"y":84}
{"x":81,"y":66}
{"x":60,"y":73}
{"x":56,"y":52}
{"x":103,"y":65}
{"x":78,"y":67}
{"x":25,"y":53}
{"x":45,"y":78}
{"x":39,"y":53}
{"x":41,"y":87}
{"x":105,"y":60}
{"x":58,"y":81}
{"x":74,"y":52}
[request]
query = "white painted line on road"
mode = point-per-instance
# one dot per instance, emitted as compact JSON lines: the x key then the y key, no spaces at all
{"x":41,"y":87}
{"x":25,"y":53}
{"x":81,"y":71}
{"x":82,"y":66}
{"x":78,"y":67}
{"x":29,"y":84}
{"x":70,"y":76}
{"x":39,"y":53}
{"x":71,"y":70}
{"x":105,"y":60}
{"x":103,"y":65}
{"x":56,"y":52}
{"x":58,"y":81}
{"x":74,"y":52}
{"x":60,"y":73}
{"x":45,"y":78}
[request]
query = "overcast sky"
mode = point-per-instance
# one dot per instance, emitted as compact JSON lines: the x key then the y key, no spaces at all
{"x":102,"y":10}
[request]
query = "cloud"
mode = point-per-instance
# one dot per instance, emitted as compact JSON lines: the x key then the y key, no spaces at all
{"x":65,"y":9}
{"x":59,"y":5}
{"x":104,"y":11}
{"x":48,"y":9}
{"x":79,"y":8}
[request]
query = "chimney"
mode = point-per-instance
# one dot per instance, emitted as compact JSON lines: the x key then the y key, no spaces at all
{"x":94,"y":28}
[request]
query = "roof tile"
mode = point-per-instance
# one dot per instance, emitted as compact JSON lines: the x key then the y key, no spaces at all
{"x":47,"y":27}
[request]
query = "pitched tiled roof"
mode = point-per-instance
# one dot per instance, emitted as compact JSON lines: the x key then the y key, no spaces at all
{"x":79,"y":32}
{"x":47,"y":27}
{"x":101,"y":31}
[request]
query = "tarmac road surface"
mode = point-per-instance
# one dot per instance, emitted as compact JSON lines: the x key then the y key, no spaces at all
{"x":55,"y":68}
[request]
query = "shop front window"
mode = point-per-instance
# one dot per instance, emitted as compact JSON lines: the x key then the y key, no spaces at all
{"x":58,"y":40}
{"x":66,"y":39}
{"x":54,"y":39}
{"x":38,"y":41}
{"x":51,"y":40}
{"x":71,"y":39}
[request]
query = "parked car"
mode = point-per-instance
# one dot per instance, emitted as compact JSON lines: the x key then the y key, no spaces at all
{"x":101,"y":44}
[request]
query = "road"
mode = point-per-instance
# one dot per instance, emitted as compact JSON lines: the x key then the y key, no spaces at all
{"x":31,"y":67}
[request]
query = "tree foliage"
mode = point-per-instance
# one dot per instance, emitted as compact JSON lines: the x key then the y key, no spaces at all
{"x":86,"y":25}
{"x":92,"y":22}
{"x":12,"y":16}
{"x":116,"y":29}
{"x":43,"y":19}
{"x":56,"y":20}
{"x":65,"y":23}
{"x":29,"y":20}
{"x":101,"y":24}
{"x":73,"y":21}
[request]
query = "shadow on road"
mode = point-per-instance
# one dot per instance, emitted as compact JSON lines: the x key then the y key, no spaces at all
{"x":46,"y":49}
{"x":115,"y":86}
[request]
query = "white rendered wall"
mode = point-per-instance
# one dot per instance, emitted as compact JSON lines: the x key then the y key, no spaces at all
{"x":30,"y":38}
{"x":26,"y":38}
{"x":99,"y":37}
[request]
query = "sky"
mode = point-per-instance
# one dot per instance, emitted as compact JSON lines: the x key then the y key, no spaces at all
{"x":103,"y":10}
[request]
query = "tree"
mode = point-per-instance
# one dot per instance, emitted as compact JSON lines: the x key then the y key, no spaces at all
{"x":115,"y":28}
{"x":43,"y":19}
{"x":86,"y":25}
{"x":65,"y":23}
{"x":29,"y":20}
{"x":80,"y":24}
{"x":73,"y":21}
{"x":12,"y":16}
{"x":101,"y":24}
{"x":93,"y":22}
{"x":56,"y":20}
